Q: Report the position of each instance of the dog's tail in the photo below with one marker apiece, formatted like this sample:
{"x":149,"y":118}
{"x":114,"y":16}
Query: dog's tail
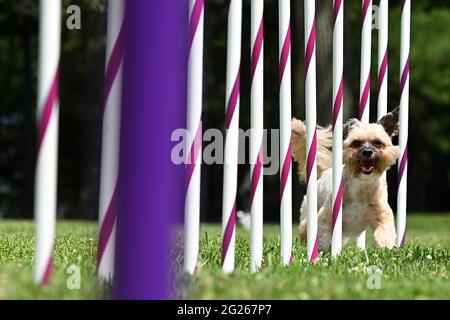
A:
{"x":324,"y":148}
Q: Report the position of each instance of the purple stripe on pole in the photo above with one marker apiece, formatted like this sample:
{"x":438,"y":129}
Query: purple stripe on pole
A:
{"x":382,"y":71}
{"x":195,"y":18}
{"x":48,"y":109}
{"x":256,"y":174}
{"x":337,"y":205}
{"x":336,"y":8}
{"x":402,"y":3}
{"x":228,"y":232}
{"x":403,"y":163}
{"x":107,"y":226}
{"x":114,"y":64}
{"x":193,"y":154}
{"x":311,"y":156}
{"x":285,"y":52}
{"x":364,"y":97}
{"x":310,"y":46}
{"x":48,"y":270}
{"x":286,"y":170}
{"x":338,"y":101}
{"x":256,"y":52}
{"x":315,"y":252}
{"x":232,"y":102}
{"x":366,"y":5}
{"x":404,"y":78}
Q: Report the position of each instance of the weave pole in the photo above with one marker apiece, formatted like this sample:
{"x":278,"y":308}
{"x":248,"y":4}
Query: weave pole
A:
{"x":311,"y":129}
{"x":47,"y":144}
{"x":403,"y":117}
{"x":232,"y":135}
{"x":257,"y":125}
{"x":194,"y":127}
{"x":110,"y":141}
{"x":284,"y":31}
{"x":337,"y":112}
{"x":382,"y":58}
{"x":364,"y":82}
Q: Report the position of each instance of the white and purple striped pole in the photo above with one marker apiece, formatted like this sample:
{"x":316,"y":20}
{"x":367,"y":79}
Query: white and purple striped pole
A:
{"x":194,"y":126}
{"x":257,"y":125}
{"x":382,"y":58}
{"x":110,"y":140}
{"x":47,"y":143}
{"x":232,"y":135}
{"x":403,"y":117}
{"x":284,"y":31}
{"x":364,"y":82}
{"x":311,"y":129}
{"x":338,"y":93}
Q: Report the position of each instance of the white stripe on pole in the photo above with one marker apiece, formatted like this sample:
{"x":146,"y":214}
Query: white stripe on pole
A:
{"x":257,"y":125}
{"x":337,"y":111}
{"x":110,"y":142}
{"x":403,"y":126}
{"x":48,"y":116}
{"x":366,"y":38}
{"x":382,"y":58}
{"x":194,"y":114}
{"x":284,"y":31}
{"x":232,"y":135}
{"x":311,"y":128}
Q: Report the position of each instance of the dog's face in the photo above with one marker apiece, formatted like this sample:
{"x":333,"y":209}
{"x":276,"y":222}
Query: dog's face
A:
{"x":368,"y":149}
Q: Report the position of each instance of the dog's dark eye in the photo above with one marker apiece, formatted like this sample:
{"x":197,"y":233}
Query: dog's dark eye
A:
{"x":378,"y":144}
{"x":356,"y":144}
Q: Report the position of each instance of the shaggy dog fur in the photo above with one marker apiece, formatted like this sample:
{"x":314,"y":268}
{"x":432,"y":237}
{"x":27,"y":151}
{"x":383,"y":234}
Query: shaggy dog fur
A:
{"x":368,"y":153}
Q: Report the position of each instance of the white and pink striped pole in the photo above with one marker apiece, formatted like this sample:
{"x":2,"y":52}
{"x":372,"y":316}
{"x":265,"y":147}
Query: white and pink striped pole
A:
{"x":284,"y":31}
{"x":311,"y":129}
{"x":47,"y":143}
{"x":364,"y":82}
{"x":338,"y":93}
{"x":257,"y":125}
{"x":382,"y":58}
{"x":403,"y":117}
{"x":194,"y":126}
{"x":110,"y":140}
{"x":232,"y":135}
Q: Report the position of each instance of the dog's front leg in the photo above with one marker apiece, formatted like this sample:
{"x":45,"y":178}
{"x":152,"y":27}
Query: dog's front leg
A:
{"x":384,"y":229}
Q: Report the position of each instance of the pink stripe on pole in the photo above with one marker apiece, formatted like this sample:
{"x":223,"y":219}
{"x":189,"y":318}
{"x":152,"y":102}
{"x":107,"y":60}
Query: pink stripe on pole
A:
{"x":286,"y":170}
{"x":233,"y":100}
{"x":195,"y":19}
{"x":107,"y":226}
{"x":337,"y":206}
{"x":338,"y":101}
{"x":364,"y":97}
{"x":404,"y":78}
{"x":257,"y":47}
{"x":114,"y":63}
{"x":404,"y":238}
{"x":366,"y":5}
{"x":228,"y":232}
{"x":256,"y":174}
{"x":311,"y":156}
{"x":402,"y":166}
{"x":193,"y":154}
{"x":310,"y":45}
{"x":48,"y":270}
{"x":315,"y":252}
{"x":48,"y":109}
{"x":382,"y":71}
{"x":285,"y":52}
{"x":336,"y":8}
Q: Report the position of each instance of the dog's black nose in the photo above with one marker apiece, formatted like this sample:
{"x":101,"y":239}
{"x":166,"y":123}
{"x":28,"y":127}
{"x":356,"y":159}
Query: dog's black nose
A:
{"x":367,"y":153}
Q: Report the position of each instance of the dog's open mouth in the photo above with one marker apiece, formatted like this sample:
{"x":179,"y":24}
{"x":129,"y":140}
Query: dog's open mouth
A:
{"x":367,"y":166}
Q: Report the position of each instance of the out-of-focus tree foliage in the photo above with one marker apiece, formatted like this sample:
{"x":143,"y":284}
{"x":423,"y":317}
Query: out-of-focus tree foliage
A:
{"x":82,"y":70}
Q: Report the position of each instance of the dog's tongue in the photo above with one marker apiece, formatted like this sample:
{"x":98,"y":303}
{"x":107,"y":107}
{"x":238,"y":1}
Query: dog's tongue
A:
{"x":367,"y":166}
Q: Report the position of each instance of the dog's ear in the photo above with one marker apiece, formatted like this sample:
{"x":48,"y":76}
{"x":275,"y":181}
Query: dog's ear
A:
{"x":390,"y":122}
{"x":348,"y":126}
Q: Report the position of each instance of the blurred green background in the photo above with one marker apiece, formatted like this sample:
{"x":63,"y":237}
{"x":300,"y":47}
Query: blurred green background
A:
{"x":81,"y":96}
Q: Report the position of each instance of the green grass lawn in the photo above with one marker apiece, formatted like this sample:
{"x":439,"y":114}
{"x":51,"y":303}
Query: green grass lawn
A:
{"x":419,"y":270}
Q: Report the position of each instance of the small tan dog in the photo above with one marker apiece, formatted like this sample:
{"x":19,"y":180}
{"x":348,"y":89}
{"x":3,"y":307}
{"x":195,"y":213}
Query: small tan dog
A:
{"x":368,"y":153}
